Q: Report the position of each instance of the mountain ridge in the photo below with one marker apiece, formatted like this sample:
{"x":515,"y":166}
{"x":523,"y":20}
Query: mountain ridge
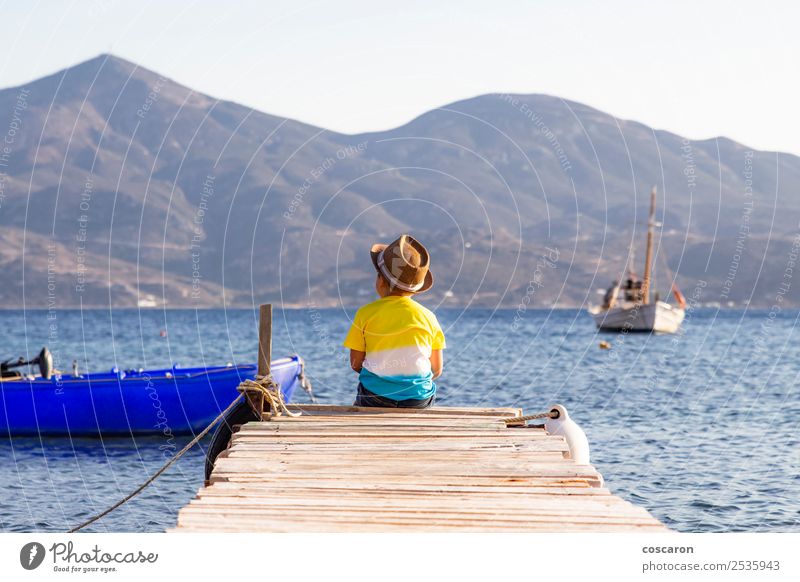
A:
{"x":116,"y":59}
{"x":217,"y":198}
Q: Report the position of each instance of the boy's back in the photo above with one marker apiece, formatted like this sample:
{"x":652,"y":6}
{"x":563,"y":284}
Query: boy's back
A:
{"x":398,"y":335}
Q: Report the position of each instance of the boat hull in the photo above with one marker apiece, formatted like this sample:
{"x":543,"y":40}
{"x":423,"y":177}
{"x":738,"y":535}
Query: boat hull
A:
{"x":169,"y":401}
{"x":658,"y":317}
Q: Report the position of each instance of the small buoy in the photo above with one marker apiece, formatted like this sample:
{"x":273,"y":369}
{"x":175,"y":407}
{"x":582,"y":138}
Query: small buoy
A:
{"x":163,"y":333}
{"x":576,"y":439}
{"x":604,"y":345}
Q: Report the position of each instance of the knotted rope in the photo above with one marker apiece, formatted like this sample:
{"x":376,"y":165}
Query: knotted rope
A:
{"x":523,"y":419}
{"x":271,"y":392}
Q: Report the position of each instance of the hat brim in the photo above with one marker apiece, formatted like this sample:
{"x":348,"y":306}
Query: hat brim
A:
{"x":377,"y":249}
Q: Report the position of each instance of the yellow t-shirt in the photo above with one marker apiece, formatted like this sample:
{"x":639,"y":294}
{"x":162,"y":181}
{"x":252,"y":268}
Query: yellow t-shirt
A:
{"x":398,"y":335}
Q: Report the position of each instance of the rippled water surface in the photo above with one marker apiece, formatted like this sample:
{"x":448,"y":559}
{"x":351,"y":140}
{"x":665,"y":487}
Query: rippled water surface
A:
{"x":700,"y":428}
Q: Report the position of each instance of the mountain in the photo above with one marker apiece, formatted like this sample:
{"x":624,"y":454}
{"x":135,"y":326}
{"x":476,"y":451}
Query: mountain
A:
{"x":119,"y":186}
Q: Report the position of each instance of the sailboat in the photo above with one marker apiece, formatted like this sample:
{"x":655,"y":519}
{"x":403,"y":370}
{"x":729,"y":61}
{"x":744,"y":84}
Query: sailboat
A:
{"x":630,"y":307}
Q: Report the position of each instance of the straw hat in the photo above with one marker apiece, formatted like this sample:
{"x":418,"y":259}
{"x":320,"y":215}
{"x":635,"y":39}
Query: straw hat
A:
{"x":405,"y":263}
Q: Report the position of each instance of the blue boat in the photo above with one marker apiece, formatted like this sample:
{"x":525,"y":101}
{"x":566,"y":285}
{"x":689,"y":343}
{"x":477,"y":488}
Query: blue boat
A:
{"x":131,"y":402}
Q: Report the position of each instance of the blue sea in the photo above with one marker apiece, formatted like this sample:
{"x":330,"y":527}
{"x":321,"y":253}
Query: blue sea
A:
{"x":701,"y":428}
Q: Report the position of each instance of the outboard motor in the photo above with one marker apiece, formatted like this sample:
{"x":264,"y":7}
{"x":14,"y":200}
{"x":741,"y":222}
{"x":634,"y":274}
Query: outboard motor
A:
{"x":44,"y":361}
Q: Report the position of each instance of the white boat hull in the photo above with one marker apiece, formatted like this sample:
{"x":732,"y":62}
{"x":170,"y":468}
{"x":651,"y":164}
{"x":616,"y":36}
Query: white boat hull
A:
{"x":659,"y":317}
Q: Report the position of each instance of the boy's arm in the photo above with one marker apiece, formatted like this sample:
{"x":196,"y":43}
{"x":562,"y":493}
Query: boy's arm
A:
{"x":437,"y":363}
{"x":357,"y":360}
{"x":356,"y":342}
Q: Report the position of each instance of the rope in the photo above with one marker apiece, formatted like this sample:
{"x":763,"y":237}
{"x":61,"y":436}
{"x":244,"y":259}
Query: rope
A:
{"x":264,"y":385}
{"x":305,"y":384}
{"x":158,"y":473}
{"x":526,"y":418}
{"x":271,"y":392}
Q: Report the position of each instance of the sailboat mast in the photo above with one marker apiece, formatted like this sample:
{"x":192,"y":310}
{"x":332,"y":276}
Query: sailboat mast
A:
{"x":632,"y":262}
{"x":648,"y":264}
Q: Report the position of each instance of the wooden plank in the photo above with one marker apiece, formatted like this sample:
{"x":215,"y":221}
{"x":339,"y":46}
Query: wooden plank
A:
{"x":423,"y":515}
{"x":355,"y":437}
{"x":334,"y":488}
{"x":354,"y":411}
{"x":474,"y":503}
{"x":523,"y":483}
{"x":558,"y":496}
{"x":244,"y":520}
{"x":432,"y":451}
{"x":531,"y":467}
{"x":191,"y":523}
{"x":415,"y":447}
{"x":385,"y":419}
{"x":313,"y":428}
{"x":444,"y":423}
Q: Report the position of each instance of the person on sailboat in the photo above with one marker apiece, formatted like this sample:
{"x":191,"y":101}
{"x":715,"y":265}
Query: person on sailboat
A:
{"x":629,"y":289}
{"x":608,"y":298}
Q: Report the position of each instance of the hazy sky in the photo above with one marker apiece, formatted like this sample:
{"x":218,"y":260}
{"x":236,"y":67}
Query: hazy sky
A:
{"x":700,"y":69}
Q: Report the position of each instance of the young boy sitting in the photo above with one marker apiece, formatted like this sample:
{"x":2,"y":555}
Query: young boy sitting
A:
{"x":396,"y":343}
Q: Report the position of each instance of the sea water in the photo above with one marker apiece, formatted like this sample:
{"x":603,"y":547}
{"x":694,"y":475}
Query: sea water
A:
{"x":700,"y":428}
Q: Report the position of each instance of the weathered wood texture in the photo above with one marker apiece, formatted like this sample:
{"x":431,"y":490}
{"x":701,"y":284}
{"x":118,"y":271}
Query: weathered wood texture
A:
{"x":348,"y":469}
{"x":264,"y":338}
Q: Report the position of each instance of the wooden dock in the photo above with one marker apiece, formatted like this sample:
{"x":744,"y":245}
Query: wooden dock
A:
{"x":348,"y":469}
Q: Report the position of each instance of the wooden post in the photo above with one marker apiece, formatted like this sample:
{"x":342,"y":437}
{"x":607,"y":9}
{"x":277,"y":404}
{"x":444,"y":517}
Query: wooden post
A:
{"x":256,"y":399}
{"x":264,"y":339}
